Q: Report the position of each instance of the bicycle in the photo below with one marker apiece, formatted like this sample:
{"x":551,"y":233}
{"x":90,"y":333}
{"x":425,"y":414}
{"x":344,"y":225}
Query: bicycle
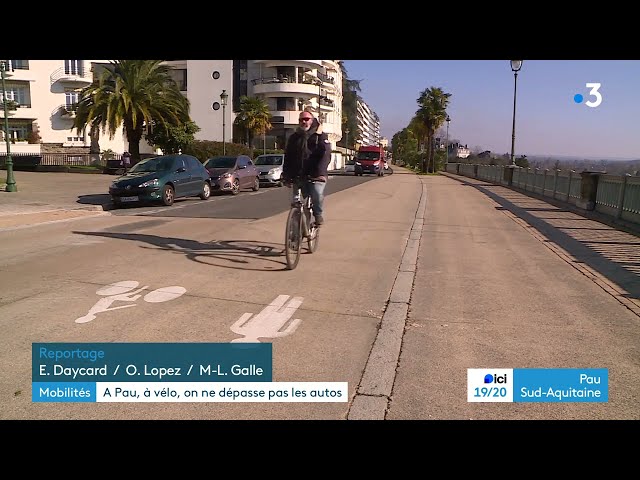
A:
{"x":299,"y":227}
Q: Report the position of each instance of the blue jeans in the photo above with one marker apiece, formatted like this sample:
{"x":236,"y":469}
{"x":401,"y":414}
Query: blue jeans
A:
{"x":315,"y":189}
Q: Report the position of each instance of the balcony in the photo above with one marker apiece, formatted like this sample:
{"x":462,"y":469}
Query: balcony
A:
{"x":72,"y":77}
{"x":282,"y":87}
{"x":326,"y":78}
{"x":66,"y":111}
{"x":291,"y":63}
{"x":12,"y":108}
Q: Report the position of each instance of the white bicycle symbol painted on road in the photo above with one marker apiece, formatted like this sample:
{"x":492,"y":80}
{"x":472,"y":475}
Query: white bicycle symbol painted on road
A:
{"x":121,"y":292}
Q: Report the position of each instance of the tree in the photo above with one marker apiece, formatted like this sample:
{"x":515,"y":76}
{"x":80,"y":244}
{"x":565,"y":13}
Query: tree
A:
{"x":133,"y":94}
{"x":419,"y":131}
{"x":405,"y":147}
{"x":172,"y":138}
{"x":253,"y":118}
{"x":432,"y":112}
{"x":350,"y":89}
{"x":522,"y":161}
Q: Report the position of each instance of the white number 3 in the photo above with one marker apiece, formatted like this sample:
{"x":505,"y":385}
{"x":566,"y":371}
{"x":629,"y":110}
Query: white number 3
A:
{"x":594,"y":91}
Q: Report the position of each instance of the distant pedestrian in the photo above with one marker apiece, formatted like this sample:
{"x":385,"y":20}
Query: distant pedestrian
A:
{"x":126,"y":161}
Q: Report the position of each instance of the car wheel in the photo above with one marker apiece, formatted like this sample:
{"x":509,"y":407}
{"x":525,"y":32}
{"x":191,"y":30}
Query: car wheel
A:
{"x":235,"y":188}
{"x":256,"y":184}
{"x":168,"y":195}
{"x":206,"y":191}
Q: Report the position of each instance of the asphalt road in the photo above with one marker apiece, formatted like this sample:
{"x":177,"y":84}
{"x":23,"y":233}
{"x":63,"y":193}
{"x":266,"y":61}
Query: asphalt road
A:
{"x":416,"y":280}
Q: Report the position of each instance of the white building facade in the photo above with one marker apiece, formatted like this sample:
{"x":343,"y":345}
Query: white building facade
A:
{"x":46,"y":92}
{"x":368,"y":125}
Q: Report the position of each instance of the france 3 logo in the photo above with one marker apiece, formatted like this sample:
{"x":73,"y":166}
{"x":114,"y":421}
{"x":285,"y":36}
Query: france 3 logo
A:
{"x":489,"y":385}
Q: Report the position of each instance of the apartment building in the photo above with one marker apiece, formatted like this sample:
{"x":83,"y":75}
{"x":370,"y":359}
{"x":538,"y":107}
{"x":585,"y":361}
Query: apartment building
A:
{"x":45,"y":93}
{"x":368,"y":125}
{"x":290,"y":86}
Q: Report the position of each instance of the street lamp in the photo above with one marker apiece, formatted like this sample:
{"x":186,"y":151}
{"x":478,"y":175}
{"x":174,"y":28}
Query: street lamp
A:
{"x":346,"y":143}
{"x":516,"y":65}
{"x":11,"y":182}
{"x":448,"y":119}
{"x":223,"y":101}
{"x":319,"y":83}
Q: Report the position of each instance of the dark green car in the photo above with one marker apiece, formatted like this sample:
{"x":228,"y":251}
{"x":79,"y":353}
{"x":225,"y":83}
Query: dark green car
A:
{"x":162,"y":179}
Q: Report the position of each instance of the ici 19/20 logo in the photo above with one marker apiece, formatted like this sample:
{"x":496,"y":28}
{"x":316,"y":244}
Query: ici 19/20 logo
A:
{"x":578,"y":97}
{"x":488,"y":378}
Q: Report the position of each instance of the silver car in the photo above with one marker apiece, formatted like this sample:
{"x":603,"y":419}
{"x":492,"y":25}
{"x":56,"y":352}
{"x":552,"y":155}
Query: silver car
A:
{"x":270,"y":167}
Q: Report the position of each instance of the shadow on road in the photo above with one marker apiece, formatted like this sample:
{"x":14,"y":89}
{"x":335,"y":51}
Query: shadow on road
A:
{"x":612,"y":253}
{"x":95,"y":199}
{"x":236,"y":254}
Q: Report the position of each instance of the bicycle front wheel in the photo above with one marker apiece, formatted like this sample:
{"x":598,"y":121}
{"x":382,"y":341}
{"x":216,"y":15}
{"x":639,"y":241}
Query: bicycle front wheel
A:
{"x":313,"y":239}
{"x":293,"y":238}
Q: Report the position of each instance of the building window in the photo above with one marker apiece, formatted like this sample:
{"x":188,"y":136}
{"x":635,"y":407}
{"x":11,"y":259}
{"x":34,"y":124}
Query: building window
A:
{"x":180,"y":77}
{"x":284,"y":104}
{"x":71,"y":99}
{"x":18,"y":132}
{"x":73,"y":67}
{"x":19,"y":64}
{"x":19,"y":94}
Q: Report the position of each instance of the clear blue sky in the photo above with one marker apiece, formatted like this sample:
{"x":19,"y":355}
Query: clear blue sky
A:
{"x":548,"y":120}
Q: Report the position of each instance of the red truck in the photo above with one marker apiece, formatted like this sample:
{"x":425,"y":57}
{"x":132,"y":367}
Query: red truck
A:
{"x":370,"y":159}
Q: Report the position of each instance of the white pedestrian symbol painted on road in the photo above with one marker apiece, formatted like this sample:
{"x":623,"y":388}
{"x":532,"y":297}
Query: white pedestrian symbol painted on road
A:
{"x":269,"y":322}
{"x":121,"y":292}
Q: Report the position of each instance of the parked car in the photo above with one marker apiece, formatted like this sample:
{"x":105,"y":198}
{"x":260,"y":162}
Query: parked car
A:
{"x":232,"y":173}
{"x":270,"y":166}
{"x":162,"y":179}
{"x":350,"y":166}
{"x":115,"y":164}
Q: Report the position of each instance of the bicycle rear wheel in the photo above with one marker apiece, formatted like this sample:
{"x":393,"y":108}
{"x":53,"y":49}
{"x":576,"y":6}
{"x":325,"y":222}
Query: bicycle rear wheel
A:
{"x":293,"y":238}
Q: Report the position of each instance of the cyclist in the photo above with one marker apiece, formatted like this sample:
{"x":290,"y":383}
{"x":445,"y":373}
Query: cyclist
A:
{"x":306,"y":159}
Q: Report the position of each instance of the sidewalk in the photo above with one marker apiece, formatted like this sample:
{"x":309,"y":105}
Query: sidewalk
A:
{"x":43,"y":197}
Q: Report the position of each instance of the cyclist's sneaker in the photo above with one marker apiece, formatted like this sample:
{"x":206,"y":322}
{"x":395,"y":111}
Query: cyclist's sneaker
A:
{"x":319,"y":220}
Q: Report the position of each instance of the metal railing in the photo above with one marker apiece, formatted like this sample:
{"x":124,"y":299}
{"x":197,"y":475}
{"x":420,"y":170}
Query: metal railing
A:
{"x":615,"y":195}
{"x":79,"y":74}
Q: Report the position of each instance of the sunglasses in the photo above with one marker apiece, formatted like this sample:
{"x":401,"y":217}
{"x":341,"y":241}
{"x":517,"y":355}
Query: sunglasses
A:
{"x":305,"y":119}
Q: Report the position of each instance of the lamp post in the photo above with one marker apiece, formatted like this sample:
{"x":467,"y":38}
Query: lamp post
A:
{"x":11,"y":182}
{"x":346,"y":143}
{"x":223,"y":101}
{"x":516,"y":65}
{"x":448,"y":119}
{"x":319,"y":96}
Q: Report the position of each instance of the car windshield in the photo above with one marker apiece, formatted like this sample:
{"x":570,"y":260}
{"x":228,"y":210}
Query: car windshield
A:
{"x":368,"y":155}
{"x":155,"y":164}
{"x":269,"y":160}
{"x":220,"y":162}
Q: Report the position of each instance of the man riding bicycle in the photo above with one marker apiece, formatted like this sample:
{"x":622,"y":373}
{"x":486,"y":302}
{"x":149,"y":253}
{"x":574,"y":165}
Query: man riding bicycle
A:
{"x":306,"y":159}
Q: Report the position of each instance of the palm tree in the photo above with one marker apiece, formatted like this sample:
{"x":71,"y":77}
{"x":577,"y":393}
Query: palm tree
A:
{"x":133,"y":94}
{"x":419,"y":130}
{"x":432,"y":113}
{"x":253,"y":118}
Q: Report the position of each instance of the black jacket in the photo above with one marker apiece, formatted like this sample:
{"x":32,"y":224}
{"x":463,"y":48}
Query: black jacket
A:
{"x":319,"y":158}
